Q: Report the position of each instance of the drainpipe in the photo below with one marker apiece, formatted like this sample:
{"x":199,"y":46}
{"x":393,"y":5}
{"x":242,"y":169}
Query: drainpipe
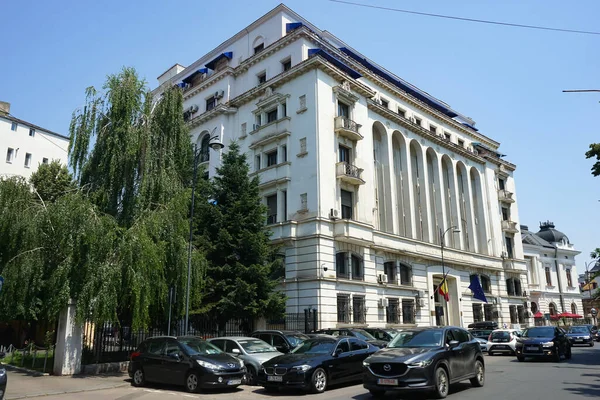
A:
{"x":560,"y":291}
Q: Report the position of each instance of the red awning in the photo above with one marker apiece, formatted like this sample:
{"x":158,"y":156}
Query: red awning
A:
{"x":569,"y":315}
{"x":538,"y":315}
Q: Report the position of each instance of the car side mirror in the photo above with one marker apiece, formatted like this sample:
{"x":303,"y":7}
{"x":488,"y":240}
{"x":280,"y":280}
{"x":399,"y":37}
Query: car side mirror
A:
{"x":235,"y":351}
{"x":283,"y":348}
{"x":453,"y":344}
{"x":175,"y":356}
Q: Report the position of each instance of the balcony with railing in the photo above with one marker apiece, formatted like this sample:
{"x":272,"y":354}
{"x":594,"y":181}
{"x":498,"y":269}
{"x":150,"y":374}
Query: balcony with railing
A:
{"x":347,"y":128}
{"x":349,"y":173}
{"x":505,"y":196}
{"x":509,"y":226}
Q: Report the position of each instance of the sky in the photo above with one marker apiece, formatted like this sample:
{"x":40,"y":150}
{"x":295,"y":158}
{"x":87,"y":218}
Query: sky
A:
{"x":509,"y":80}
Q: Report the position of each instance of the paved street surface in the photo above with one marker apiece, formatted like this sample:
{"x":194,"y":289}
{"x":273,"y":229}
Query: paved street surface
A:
{"x":507,"y":379}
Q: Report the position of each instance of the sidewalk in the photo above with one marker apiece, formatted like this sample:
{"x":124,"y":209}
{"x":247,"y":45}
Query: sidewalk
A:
{"x":22,"y":385}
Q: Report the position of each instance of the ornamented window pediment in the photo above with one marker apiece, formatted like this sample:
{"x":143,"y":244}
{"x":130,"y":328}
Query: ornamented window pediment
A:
{"x":344,"y":93}
{"x":270,"y":99}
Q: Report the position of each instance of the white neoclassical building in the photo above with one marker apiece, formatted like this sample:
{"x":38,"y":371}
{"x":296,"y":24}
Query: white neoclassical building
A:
{"x":553,"y":286}
{"x":360,"y":171}
{"x":25,"y":145}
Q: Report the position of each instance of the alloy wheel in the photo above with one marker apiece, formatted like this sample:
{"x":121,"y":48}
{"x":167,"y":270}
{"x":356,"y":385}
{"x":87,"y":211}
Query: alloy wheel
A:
{"x":138,"y":377}
{"x":319,"y":380}
{"x":192,"y":382}
{"x":442,"y":382}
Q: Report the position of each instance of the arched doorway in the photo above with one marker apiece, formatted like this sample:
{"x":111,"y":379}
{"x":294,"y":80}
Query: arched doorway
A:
{"x":552,"y":309}
{"x":445,"y":311}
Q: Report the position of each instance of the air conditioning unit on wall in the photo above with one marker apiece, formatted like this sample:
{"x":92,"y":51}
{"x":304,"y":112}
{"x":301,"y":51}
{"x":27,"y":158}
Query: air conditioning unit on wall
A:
{"x":382,"y":278}
{"x":383,"y":302}
{"x":334,"y":214}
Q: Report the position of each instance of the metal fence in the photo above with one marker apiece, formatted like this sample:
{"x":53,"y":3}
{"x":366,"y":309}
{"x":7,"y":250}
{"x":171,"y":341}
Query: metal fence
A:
{"x":32,"y":357}
{"x":110,"y":342}
{"x":306,"y":322}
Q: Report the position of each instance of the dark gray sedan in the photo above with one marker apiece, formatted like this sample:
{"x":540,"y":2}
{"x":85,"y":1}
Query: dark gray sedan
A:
{"x":580,"y":335}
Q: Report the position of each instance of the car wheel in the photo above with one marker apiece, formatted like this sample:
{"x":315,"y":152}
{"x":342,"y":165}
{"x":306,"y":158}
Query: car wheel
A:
{"x":592,"y":343}
{"x":520,"y":358}
{"x":192,"y":382}
{"x":377,"y":393}
{"x":318,"y":383}
{"x":442,"y":384}
{"x":139,"y":378}
{"x":250,"y":376}
{"x":479,"y":379}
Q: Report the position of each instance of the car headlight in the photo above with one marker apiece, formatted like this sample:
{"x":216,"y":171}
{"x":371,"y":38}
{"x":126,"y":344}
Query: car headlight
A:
{"x":586,"y":337}
{"x":209,"y":365}
{"x":366,"y":363}
{"x":420,"y":364}
{"x":2,"y":372}
{"x":548,"y":344}
{"x":302,"y":368}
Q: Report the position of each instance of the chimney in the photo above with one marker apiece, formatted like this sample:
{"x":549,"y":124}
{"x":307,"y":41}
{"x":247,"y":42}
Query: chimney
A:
{"x":4,"y":108}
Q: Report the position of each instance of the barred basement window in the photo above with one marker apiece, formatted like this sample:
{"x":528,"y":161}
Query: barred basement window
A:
{"x":408,"y":311}
{"x":477,"y":312}
{"x":393,"y":311}
{"x":343,"y":308}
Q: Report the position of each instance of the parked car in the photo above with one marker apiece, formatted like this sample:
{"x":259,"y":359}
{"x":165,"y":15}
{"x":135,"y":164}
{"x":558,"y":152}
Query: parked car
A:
{"x":485,"y":325}
{"x":3,"y":379}
{"x":425,"y":359}
{"x":580,"y":335}
{"x":502,"y":341}
{"x":316,"y":364}
{"x":594,"y":330}
{"x":543,"y":341}
{"x":253,"y":351}
{"x":283,"y":341}
{"x":188,"y":361}
{"x":357,"y":333}
{"x":483,"y":343}
{"x":385,"y":334}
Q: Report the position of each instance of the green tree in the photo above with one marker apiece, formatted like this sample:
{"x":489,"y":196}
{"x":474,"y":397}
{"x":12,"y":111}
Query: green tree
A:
{"x":231,"y":230}
{"x":594,"y":151}
{"x":52,"y":181}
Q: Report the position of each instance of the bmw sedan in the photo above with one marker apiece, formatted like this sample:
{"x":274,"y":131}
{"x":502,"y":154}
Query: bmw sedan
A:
{"x":317,"y":363}
{"x":425,"y":359}
{"x":543,"y":342}
{"x":187,"y":361}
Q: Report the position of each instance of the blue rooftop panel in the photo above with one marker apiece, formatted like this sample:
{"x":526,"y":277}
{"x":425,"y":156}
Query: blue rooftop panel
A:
{"x":292,"y":25}
{"x":213,"y":63}
{"x":338,"y":63}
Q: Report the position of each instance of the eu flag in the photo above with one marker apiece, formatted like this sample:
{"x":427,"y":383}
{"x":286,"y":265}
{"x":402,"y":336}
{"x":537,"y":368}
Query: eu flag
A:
{"x":476,"y":288}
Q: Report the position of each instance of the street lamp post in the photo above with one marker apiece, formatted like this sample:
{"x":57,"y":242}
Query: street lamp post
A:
{"x":442,"y":245}
{"x":215,"y":143}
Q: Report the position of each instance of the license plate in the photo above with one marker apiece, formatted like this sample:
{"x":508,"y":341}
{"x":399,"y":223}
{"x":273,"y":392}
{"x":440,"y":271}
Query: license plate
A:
{"x":234,"y":382}
{"x":579,"y":340}
{"x":387,"y":382}
{"x":531,"y":348}
{"x":273,"y":378}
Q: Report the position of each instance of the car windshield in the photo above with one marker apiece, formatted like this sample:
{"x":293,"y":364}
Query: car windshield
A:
{"x":315,"y":347}
{"x":197,"y":346}
{"x":539,"y":332}
{"x":256,"y":346}
{"x":296,"y":339}
{"x":391,"y":332}
{"x":424,"y":338}
{"x":363,"y":335}
{"x":579,"y":329}
{"x":500,"y":335}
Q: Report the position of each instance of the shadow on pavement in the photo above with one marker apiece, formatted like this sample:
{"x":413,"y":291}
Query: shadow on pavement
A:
{"x":299,"y":392}
{"x":181,"y":388}
{"x":454,"y":389}
{"x":586,"y":389}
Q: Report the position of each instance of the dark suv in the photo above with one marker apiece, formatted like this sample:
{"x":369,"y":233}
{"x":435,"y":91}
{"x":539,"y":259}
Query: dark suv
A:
{"x":188,"y":361}
{"x":357,"y":333}
{"x":283,"y":341}
{"x":425,"y":359}
{"x":543,"y":342}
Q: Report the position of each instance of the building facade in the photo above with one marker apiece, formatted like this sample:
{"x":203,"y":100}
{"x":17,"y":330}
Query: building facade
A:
{"x":26,"y":145}
{"x":362,"y":174}
{"x":553,"y":286}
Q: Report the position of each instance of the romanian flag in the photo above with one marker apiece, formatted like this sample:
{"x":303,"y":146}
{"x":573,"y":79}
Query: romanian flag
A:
{"x":443,"y":289}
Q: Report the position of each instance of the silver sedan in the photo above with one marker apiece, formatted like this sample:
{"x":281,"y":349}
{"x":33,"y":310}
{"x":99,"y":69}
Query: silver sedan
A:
{"x":251,"y":350}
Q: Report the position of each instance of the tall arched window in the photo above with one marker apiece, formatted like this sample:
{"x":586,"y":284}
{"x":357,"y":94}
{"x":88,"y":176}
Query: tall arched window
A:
{"x":205,"y":149}
{"x":552,"y":308}
{"x":534,"y":307}
{"x":573,"y":308}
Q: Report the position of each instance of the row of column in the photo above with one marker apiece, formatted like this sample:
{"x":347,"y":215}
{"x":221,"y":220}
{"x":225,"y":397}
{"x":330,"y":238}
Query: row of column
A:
{"x":418,"y":192}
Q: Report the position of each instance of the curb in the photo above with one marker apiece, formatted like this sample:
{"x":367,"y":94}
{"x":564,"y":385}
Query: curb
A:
{"x":29,"y":396}
{"x":11,"y":367}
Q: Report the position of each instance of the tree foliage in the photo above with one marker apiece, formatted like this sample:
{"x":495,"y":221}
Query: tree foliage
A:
{"x":117,"y":239}
{"x":594,"y":151}
{"x":52,"y":181}
{"x":232,"y":232}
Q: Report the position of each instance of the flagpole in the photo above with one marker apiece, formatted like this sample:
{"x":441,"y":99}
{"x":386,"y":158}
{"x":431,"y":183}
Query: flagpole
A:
{"x":442,"y":245}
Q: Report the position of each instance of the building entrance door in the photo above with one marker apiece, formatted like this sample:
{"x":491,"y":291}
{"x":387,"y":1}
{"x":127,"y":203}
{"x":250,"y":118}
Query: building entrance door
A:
{"x":441,"y":319}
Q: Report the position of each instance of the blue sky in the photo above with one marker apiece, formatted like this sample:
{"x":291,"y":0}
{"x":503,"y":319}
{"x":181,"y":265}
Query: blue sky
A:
{"x":509,"y":80}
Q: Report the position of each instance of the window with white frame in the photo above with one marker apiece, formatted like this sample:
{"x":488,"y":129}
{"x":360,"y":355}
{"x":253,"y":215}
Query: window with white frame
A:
{"x":284,"y":153}
{"x":406,"y":275}
{"x":347,"y":204}
{"x":14,"y":126}
{"x":272,"y":209}
{"x":10,"y":155}
{"x":44,"y":160}
{"x":258,"y":48}
{"x":31,"y":132}
{"x":27,"y":160}
{"x":272,"y":115}
{"x":271,"y":158}
{"x":262,"y":77}
{"x":286,"y":64}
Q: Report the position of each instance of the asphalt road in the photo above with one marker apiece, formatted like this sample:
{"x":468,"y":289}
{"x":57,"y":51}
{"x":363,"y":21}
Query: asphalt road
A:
{"x":506,"y":379}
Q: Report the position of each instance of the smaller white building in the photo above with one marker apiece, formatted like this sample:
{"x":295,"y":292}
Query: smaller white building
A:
{"x":551,"y":272}
{"x":25,"y":145}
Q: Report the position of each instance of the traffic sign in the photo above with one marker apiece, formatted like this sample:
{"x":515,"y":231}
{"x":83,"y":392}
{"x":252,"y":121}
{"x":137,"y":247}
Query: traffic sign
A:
{"x":593,"y":311}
